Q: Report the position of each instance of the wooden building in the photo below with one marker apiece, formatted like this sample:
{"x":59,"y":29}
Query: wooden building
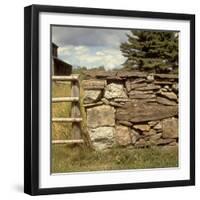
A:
{"x":54,"y":50}
{"x":59,"y":67}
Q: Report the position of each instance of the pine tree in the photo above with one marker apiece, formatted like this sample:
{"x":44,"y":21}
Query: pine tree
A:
{"x":151,"y":50}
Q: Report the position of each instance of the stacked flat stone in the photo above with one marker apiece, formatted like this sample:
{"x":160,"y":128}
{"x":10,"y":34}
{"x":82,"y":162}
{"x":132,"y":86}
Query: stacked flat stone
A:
{"x":131,"y":109}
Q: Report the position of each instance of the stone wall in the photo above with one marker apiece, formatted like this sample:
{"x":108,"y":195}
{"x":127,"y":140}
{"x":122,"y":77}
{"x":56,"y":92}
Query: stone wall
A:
{"x":131,"y":109}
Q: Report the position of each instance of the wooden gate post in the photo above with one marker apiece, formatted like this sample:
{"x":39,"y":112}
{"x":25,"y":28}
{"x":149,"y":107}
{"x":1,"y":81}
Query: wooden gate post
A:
{"x":75,"y":110}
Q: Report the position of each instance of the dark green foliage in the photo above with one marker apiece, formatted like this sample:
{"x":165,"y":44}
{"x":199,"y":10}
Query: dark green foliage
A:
{"x":151,"y":50}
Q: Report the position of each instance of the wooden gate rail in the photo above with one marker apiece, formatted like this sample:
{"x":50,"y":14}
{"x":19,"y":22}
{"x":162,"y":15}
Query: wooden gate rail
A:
{"x":68,"y":141}
{"x":74,"y":77}
{"x":69,"y":119}
{"x":65,"y":99}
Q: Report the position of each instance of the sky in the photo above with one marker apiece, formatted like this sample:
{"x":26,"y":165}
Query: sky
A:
{"x":90,"y":47}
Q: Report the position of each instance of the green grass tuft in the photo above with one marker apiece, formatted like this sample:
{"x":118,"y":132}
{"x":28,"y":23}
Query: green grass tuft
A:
{"x":80,"y":159}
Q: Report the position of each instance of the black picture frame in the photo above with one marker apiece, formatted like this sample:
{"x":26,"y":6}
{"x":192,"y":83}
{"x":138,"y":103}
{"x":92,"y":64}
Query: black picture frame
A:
{"x":31,"y":98}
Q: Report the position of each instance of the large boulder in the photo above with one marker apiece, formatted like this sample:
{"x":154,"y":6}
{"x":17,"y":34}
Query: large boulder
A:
{"x":102,"y":137}
{"x":141,"y":112}
{"x":123,"y":136}
{"x":114,"y":90}
{"x":170,"y":128}
{"x":103,"y":115}
{"x":91,"y":96}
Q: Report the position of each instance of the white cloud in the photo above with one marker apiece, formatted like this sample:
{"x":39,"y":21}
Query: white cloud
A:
{"x":91,"y":57}
{"x":90,"y":47}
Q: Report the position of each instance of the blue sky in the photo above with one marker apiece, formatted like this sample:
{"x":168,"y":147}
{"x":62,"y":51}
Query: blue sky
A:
{"x":89,"y":47}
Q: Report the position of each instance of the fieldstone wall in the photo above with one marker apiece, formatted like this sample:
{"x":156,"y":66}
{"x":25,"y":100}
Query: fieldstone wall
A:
{"x":131,"y":109}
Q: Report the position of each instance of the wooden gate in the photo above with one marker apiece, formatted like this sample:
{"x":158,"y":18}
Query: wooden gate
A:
{"x":75,"y":118}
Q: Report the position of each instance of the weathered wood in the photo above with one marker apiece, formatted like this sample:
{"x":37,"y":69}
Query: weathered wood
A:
{"x":73,"y":77}
{"x":75,"y":110}
{"x":62,"y":119}
{"x":61,"y":68}
{"x":53,"y":66}
{"x":67,"y":141}
{"x":65,"y":99}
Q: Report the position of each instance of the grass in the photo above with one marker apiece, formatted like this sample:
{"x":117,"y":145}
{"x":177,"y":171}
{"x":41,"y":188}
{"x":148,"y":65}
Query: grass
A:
{"x":81,"y":159}
{"x":61,"y":130}
{"x":67,"y":158}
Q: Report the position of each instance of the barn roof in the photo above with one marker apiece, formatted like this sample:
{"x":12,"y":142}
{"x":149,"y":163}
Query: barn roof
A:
{"x":54,"y":45}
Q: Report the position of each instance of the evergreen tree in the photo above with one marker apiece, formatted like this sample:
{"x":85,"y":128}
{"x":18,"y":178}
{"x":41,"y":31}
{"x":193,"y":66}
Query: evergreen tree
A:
{"x":151,"y":50}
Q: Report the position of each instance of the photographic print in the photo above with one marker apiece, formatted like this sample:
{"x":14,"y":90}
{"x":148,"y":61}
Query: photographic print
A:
{"x":114,"y":99}
{"x":109,"y":99}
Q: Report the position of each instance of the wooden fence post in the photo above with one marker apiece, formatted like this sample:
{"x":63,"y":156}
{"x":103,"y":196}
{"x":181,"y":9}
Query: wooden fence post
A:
{"x":75,"y":110}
